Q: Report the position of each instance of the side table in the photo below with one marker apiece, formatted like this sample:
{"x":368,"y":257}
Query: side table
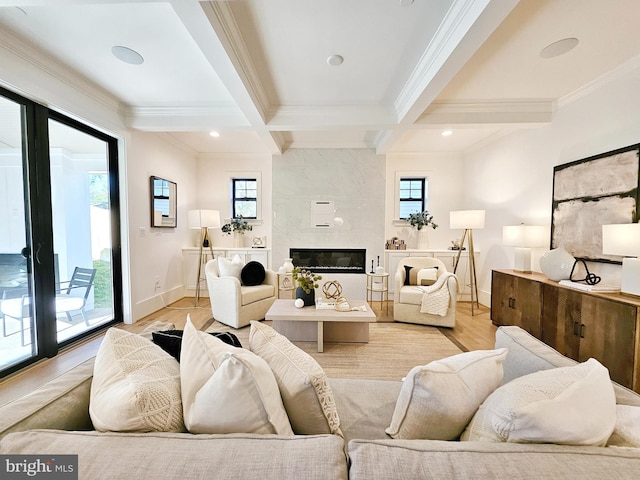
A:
{"x":378,"y":283}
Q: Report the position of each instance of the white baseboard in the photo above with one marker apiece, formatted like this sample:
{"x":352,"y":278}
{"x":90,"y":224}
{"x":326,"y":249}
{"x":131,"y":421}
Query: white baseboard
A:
{"x":155,"y":303}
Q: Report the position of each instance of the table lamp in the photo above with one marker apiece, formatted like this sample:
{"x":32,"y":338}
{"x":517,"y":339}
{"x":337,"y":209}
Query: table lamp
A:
{"x":204,"y":220}
{"x":524,"y":238}
{"x":468,"y":220}
{"x":624,"y":240}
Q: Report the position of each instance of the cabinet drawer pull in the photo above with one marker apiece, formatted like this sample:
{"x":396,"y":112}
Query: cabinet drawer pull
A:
{"x":582,"y":330}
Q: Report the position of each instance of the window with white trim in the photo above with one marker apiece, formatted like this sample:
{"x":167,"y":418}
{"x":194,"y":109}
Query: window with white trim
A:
{"x":412,"y":196}
{"x":244,"y":194}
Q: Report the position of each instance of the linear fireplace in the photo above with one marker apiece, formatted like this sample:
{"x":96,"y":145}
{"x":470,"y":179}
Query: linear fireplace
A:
{"x":330,"y":260}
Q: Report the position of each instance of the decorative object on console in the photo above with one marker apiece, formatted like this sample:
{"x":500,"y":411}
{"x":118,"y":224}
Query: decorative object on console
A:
{"x":332,"y":289}
{"x":589,"y":279}
{"x":259,"y":242}
{"x":395,"y":244}
{"x":287,"y":266}
{"x":421,"y":220}
{"x":556,"y":264}
{"x":468,"y":220}
{"x":524,"y":238}
{"x":204,"y":220}
{"x":307,"y":283}
{"x":624,"y":240}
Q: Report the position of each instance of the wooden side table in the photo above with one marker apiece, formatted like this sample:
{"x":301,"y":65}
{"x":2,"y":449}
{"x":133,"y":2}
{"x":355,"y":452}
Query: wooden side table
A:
{"x":378,"y":283}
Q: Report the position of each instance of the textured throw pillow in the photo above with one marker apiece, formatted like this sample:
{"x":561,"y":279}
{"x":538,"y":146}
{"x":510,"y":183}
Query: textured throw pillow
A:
{"x":227,"y":389}
{"x":135,"y":387}
{"x":304,"y":386}
{"x":171,"y":340}
{"x":437,"y":400}
{"x":252,"y":274}
{"x":627,"y":430}
{"x":568,"y":405}
{"x":230,"y":268}
{"x":411,"y":274}
{"x":427,"y":276}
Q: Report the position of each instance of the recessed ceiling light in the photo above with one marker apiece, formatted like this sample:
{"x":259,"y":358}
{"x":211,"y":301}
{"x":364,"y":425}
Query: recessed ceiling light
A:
{"x":335,"y":60}
{"x":127,"y":55}
{"x":446,"y":133}
{"x":213,"y":133}
{"x":558,"y":48}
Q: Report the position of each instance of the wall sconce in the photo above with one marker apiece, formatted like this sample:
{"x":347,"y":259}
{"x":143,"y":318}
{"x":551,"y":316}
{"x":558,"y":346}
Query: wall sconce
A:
{"x":624,"y":240}
{"x":468,"y":220}
{"x":204,"y":220}
{"x":524,"y":238}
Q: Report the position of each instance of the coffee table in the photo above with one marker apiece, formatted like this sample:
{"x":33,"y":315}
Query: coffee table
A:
{"x":309,"y":324}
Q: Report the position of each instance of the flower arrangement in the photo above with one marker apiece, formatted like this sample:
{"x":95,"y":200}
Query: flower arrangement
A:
{"x":422,"y":219}
{"x":236,"y":224}
{"x":305,"y":279}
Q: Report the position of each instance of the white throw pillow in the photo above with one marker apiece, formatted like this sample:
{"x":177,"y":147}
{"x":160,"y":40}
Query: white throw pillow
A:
{"x":627,"y":430}
{"x":227,"y":389}
{"x":304,"y":386}
{"x":230,"y":268}
{"x":568,"y":405}
{"x":135,"y":387}
{"x":427,"y":276}
{"x":437,"y":400}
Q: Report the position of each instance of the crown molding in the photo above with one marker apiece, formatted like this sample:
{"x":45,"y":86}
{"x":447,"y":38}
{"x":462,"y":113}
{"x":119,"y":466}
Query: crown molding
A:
{"x":621,"y":71}
{"x":184,"y":118}
{"x":470,"y":112}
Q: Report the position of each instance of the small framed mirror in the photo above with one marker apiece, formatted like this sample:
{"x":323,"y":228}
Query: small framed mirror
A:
{"x":163,"y":203}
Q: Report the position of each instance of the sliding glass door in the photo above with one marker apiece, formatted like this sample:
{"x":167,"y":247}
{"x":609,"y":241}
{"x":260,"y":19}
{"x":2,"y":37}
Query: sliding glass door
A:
{"x":59,"y":248}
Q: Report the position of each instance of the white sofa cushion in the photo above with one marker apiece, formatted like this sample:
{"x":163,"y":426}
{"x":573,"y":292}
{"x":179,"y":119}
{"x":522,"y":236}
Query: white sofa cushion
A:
{"x":226,"y":389}
{"x":437,"y":400}
{"x":627,"y":430}
{"x":304,"y":386}
{"x":568,"y":405}
{"x":135,"y":387}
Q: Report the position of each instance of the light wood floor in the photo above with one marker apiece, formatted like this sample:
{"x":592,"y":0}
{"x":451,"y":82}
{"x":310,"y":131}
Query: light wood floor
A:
{"x":470,"y":333}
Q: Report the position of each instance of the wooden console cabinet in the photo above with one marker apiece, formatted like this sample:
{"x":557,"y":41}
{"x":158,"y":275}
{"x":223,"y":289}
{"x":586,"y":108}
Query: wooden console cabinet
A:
{"x":580,"y":325}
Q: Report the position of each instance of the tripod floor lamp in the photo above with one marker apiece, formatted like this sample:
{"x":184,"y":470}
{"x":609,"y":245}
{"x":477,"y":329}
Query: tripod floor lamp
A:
{"x":204,"y":220}
{"x":468,"y":220}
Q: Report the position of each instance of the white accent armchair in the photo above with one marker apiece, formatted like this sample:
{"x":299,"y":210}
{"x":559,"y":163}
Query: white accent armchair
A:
{"x":407,"y":299}
{"x":235,"y":304}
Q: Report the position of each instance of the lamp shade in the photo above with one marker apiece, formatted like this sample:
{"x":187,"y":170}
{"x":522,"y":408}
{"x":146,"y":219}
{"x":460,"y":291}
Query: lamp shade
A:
{"x":463,"y":219}
{"x":203,"y":218}
{"x":621,"y":239}
{"x":530,"y":236}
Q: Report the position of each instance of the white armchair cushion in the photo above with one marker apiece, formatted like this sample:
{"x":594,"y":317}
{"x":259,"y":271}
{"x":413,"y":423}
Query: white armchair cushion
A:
{"x":227,"y":389}
{"x":253,"y":294}
{"x":230,"y":268}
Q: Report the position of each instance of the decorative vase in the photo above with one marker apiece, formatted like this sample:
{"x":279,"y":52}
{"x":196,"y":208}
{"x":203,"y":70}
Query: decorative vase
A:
{"x":423,"y":239}
{"x":288,"y":265}
{"x":308,"y":298}
{"x":557,"y":264}
{"x":238,"y":240}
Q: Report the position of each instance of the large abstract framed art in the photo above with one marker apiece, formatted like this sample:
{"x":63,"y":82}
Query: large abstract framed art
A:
{"x":592,"y":192}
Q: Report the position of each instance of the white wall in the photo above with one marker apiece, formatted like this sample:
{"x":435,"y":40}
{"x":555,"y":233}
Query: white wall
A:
{"x":157,"y":252}
{"x":513,"y":178}
{"x":445,"y":194}
{"x":214,"y":173}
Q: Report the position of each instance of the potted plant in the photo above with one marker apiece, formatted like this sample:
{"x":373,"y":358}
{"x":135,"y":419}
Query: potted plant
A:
{"x":421,"y":220}
{"x":306,"y":285}
{"x":237,"y":226}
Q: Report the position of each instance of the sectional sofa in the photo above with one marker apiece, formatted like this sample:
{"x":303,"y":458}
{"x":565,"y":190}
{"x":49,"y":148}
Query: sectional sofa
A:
{"x":55,"y":419}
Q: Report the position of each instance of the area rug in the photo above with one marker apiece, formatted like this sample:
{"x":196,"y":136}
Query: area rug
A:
{"x":393,"y":350}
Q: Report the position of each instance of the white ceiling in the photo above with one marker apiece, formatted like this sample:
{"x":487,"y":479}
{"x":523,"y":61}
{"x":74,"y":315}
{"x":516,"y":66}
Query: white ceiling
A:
{"x":256,"y":70}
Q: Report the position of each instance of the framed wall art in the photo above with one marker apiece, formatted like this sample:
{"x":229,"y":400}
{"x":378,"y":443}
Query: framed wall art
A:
{"x":592,"y":192}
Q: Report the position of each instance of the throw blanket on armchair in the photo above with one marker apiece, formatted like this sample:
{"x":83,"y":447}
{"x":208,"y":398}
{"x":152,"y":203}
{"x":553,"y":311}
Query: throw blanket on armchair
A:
{"x":435,"y":299}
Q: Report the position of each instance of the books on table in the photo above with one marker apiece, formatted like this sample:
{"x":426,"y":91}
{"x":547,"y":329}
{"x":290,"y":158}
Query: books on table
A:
{"x":598,"y":287}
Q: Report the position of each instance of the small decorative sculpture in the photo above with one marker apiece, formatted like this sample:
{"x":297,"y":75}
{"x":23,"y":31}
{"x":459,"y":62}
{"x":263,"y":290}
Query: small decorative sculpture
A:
{"x":332,"y":289}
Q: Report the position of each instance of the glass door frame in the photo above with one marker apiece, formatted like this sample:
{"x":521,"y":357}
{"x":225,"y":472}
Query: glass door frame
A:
{"x":39,"y":227}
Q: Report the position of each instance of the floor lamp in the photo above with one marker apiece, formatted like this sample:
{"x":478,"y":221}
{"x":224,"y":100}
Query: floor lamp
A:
{"x":468,"y":220}
{"x":204,"y":220}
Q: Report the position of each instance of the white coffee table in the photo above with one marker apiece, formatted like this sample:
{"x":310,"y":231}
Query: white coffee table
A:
{"x":309,"y":324}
